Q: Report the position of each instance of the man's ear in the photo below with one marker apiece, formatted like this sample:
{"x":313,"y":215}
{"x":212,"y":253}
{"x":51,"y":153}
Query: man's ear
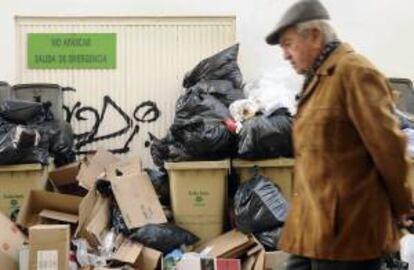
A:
{"x":316,"y":37}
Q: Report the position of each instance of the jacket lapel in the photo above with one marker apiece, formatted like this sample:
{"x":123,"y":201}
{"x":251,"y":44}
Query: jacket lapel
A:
{"x":327,"y":68}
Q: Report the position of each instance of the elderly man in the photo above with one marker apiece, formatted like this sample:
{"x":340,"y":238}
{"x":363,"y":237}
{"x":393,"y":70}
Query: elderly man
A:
{"x":351,"y":166}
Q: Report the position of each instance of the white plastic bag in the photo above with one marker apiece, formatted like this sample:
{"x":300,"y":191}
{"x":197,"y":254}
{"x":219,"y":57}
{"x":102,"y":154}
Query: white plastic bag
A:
{"x":273,"y":90}
{"x":407,"y":250}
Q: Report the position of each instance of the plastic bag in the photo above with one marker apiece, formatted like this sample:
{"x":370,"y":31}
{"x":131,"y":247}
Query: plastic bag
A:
{"x":167,"y":149}
{"x":222,"y":90}
{"x":269,"y":239}
{"x":21,"y":112}
{"x":196,"y":105}
{"x":221,"y":66}
{"x":19,"y":146}
{"x":205,"y":140}
{"x":259,"y":206}
{"x":407,"y":250}
{"x":244,"y":109}
{"x":160,"y":181}
{"x":393,"y":262}
{"x":163,"y":237}
{"x":266,"y":136}
{"x":59,"y":134}
{"x":273,"y":90}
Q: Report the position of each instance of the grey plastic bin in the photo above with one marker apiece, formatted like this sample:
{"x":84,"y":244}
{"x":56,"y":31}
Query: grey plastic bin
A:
{"x":5,"y":89}
{"x":41,"y":92}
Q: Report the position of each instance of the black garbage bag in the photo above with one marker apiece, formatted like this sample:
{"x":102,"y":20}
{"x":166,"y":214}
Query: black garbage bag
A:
{"x":269,"y":239}
{"x":20,"y":146}
{"x":167,"y":149}
{"x":59,"y":134}
{"x":195,"y":105}
{"x":160,"y":181}
{"x":205,"y":139}
{"x":266,"y":136}
{"x":62,"y":159}
{"x":222,"y":90}
{"x":393,"y":262}
{"x":163,"y":237}
{"x":22,"y":112}
{"x":259,"y":206}
{"x":221,"y":66}
{"x":117,"y":221}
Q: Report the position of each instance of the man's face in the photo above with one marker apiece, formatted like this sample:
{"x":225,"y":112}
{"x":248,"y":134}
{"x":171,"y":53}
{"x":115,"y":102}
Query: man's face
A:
{"x":300,"y":49}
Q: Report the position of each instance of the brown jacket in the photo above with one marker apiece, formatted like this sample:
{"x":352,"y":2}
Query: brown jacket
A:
{"x":351,"y":165}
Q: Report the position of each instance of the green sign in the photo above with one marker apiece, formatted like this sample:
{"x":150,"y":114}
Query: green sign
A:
{"x":71,"y":51}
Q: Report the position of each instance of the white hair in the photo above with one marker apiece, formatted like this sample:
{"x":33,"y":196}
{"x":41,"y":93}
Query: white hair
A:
{"x":326,"y":29}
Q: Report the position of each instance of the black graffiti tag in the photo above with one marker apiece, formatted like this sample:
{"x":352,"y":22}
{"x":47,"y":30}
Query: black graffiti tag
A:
{"x":146,"y":112}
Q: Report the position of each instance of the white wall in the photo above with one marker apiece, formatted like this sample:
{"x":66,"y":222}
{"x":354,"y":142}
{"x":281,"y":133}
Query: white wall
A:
{"x":383,"y":30}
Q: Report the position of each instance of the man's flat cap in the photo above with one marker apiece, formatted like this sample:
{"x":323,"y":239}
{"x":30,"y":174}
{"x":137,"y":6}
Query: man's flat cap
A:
{"x":301,"y":11}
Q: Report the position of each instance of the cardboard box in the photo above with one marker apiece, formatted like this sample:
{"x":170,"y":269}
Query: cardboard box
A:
{"x":16,"y":181}
{"x":128,"y":252}
{"x":38,"y":200}
{"x":94,"y":167}
{"x":276,"y":260}
{"x":279,"y":171}
{"x":11,"y":238}
{"x":149,"y":259}
{"x":50,"y":216}
{"x":198,"y":196}
{"x":63,"y":180}
{"x":7,"y":263}
{"x":227,"y":245}
{"x":137,"y":200}
{"x":49,"y":247}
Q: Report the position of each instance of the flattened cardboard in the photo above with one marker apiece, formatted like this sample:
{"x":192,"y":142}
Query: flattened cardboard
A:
{"x":137,"y":200}
{"x":128,"y":252}
{"x":99,"y":221}
{"x":226,"y":243}
{"x":248,"y":264}
{"x":11,"y":238}
{"x":63,"y":180}
{"x":86,"y":208}
{"x":38,"y":200}
{"x":149,"y":259}
{"x":59,"y":216}
{"x":132,"y":165}
{"x":65,"y":175}
{"x":91,"y":169}
{"x":49,"y":244}
{"x":260,"y":261}
{"x":7,"y":263}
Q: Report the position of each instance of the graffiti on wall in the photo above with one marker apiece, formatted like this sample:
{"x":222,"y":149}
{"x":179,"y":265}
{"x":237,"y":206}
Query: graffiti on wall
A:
{"x":144,"y":113}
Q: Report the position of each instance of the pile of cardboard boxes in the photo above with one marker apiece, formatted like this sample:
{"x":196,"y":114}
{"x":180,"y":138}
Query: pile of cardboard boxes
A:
{"x":73,"y":209}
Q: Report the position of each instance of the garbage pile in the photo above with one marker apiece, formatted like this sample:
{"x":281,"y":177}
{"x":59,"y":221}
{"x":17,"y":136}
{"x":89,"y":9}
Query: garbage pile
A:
{"x":211,"y":121}
{"x":30,"y":134}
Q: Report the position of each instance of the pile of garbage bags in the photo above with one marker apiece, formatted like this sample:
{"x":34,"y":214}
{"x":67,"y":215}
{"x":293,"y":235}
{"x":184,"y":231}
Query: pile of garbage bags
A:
{"x":261,"y":209}
{"x":206,"y":125}
{"x":29,"y":134}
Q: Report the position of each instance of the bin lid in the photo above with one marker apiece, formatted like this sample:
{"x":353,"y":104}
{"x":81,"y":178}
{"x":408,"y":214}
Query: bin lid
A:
{"x":267,"y":163}
{"x":198,"y":165}
{"x":21,"y":167}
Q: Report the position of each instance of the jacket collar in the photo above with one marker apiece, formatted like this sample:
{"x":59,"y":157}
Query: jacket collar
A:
{"x":327,"y":68}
